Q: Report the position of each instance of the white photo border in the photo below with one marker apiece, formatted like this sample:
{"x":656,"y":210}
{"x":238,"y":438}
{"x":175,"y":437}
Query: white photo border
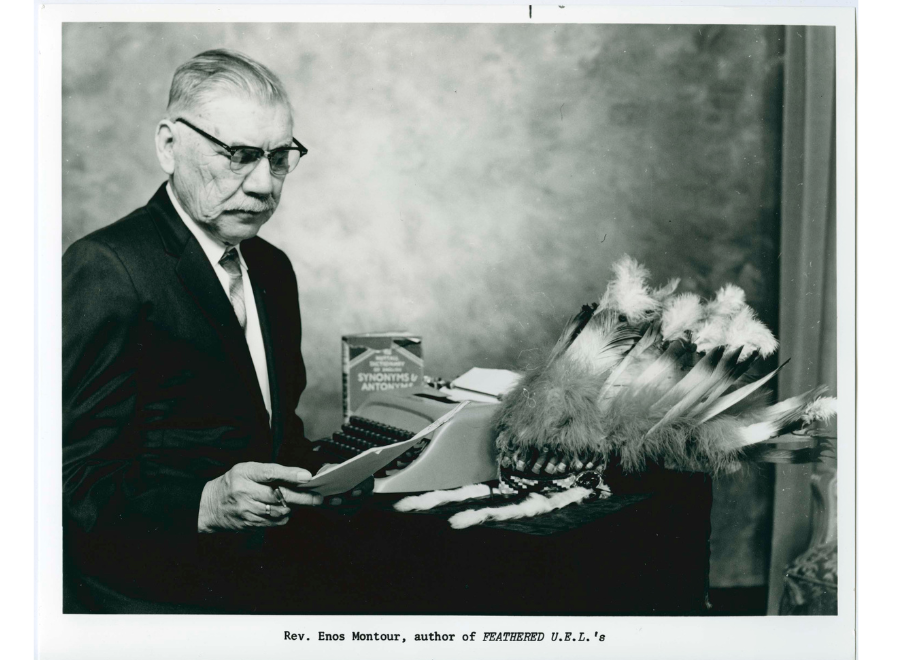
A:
{"x":100,"y":636}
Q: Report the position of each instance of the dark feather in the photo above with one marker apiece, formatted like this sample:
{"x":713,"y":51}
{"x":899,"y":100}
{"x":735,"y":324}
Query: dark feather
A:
{"x":653,"y":377}
{"x":732,"y":371}
{"x":786,"y":415}
{"x":651,"y":335}
{"x":603,"y":342}
{"x":810,"y":449}
{"x":725,"y":402}
{"x":692,"y":386}
{"x":573,"y":328}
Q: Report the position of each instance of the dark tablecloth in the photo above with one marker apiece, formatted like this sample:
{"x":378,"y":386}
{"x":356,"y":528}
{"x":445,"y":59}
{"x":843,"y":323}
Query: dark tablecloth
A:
{"x":645,"y":550}
{"x":637,"y":552}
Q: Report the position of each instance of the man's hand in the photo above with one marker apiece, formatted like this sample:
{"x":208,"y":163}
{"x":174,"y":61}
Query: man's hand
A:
{"x":245,"y":497}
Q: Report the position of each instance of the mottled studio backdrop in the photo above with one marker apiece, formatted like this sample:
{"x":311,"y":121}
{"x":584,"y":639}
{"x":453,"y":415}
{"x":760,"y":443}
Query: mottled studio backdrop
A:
{"x":473,"y":184}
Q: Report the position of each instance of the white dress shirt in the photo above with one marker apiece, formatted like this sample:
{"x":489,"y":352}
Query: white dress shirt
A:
{"x":214,"y":249}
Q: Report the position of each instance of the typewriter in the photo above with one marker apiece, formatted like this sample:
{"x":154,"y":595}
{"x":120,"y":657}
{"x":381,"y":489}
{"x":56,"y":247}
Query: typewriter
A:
{"x":459,"y":453}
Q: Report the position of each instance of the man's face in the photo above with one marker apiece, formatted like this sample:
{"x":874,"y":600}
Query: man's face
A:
{"x":232,"y":207}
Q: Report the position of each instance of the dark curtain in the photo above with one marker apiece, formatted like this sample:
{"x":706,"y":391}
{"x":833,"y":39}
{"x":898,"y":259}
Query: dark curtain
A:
{"x":808,"y":303}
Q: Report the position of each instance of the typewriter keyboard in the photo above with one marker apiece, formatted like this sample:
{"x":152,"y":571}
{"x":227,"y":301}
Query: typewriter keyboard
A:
{"x":361,"y":434}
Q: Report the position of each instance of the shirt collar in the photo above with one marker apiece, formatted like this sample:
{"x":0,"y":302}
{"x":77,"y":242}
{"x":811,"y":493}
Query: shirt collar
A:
{"x":213,"y":248}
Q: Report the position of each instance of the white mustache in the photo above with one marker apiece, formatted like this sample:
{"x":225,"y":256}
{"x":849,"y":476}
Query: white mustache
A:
{"x":258,"y":206}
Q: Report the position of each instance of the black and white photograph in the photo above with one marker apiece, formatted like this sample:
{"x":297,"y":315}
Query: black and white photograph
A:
{"x":408,"y":335}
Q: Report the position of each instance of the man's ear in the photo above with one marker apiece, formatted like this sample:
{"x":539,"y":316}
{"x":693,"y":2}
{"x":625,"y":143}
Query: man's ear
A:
{"x":165,"y":146}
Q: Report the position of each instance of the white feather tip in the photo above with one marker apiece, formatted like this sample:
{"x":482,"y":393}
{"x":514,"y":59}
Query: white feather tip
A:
{"x":729,"y":300}
{"x":747,"y":331}
{"x":820,"y":410}
{"x":663,"y":293}
{"x":682,"y":313}
{"x":628,"y":292}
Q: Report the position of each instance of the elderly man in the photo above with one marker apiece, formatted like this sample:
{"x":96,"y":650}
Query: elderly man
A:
{"x":181,"y":358}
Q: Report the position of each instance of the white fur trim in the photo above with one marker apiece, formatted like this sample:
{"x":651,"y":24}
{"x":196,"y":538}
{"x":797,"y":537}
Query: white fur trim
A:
{"x":534,"y":505}
{"x":435,"y":498}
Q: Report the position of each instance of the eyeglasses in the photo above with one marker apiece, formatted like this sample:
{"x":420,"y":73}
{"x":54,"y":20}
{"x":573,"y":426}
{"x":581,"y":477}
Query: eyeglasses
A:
{"x":243,"y":159}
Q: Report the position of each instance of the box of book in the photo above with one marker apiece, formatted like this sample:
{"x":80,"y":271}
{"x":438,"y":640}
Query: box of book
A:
{"x":379,"y":362}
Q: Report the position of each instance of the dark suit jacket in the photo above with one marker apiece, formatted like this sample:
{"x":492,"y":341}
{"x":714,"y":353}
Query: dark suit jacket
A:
{"x":160,"y":395}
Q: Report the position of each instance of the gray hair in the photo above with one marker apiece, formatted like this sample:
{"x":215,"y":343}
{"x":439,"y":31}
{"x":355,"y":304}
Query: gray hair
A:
{"x":223,"y":71}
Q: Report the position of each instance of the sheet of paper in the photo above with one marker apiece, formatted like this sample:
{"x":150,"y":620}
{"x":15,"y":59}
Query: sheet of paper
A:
{"x":343,"y":477}
{"x":455,"y":394}
{"x":493,"y":382}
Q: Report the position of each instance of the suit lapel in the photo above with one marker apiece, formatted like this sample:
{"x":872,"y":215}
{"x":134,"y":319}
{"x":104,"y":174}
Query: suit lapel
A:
{"x":197,"y":275}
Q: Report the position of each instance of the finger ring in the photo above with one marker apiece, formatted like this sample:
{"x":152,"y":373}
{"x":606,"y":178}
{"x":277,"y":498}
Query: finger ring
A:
{"x":268,"y":509}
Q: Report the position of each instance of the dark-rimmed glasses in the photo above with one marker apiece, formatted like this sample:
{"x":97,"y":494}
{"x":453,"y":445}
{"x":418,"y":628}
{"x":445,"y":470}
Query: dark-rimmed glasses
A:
{"x":243,"y":159}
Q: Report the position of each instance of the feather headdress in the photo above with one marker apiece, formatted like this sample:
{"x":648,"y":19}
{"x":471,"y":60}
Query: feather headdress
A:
{"x":650,"y":376}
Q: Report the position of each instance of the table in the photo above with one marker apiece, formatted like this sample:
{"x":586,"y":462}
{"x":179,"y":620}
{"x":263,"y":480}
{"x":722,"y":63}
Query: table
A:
{"x":643,"y":551}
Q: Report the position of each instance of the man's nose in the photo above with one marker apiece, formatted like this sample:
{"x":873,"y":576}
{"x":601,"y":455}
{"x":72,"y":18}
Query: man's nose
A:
{"x":260,"y":181}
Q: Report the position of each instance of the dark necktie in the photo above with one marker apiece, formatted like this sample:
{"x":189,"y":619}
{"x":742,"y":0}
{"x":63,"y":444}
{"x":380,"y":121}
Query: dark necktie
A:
{"x":230,"y":261}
